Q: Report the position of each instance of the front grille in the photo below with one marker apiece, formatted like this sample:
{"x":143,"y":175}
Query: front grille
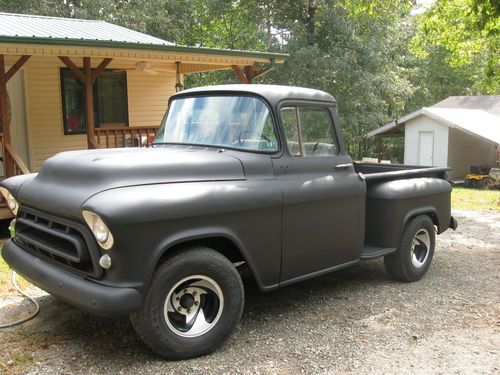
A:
{"x":57,"y":240}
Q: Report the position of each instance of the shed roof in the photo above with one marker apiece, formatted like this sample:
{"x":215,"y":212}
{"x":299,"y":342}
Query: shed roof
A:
{"x":476,"y":115}
{"x":487,"y":103}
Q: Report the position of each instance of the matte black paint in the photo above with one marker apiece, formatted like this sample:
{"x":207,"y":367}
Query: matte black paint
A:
{"x":391,"y":204}
{"x":84,"y":294}
{"x":289,"y":218}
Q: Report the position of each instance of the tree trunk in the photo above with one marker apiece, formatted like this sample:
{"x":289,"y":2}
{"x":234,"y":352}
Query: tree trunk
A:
{"x":309,"y":22}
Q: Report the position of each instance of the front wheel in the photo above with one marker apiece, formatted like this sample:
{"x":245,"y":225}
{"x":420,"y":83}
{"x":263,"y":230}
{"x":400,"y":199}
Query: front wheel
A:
{"x":193,"y":305}
{"x":414,"y":256}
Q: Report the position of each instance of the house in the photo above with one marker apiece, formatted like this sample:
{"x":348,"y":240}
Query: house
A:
{"x":74,"y":83}
{"x":71,"y":84}
{"x":457,"y":132}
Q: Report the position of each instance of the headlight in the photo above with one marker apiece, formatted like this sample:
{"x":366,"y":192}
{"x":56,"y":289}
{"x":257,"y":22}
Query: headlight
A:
{"x":99,"y":229}
{"x":11,"y":201}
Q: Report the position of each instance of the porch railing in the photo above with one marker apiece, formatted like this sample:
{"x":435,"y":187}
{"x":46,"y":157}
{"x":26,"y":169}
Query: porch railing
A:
{"x":12,"y":162}
{"x":124,"y":136}
{"x":13,"y":165}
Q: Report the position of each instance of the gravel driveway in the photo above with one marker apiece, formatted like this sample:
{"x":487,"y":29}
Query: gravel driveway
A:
{"x":354,"y":321}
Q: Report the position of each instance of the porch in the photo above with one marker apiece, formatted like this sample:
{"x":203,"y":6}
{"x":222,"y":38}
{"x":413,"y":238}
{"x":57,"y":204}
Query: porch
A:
{"x":68,"y":84}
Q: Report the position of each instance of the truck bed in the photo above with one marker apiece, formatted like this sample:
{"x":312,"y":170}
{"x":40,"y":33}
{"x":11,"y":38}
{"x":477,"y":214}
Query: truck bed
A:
{"x":396,"y":193}
{"x":377,"y":172}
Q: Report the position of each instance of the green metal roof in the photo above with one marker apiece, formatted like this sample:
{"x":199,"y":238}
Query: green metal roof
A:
{"x":21,"y":28}
{"x":22,"y":25}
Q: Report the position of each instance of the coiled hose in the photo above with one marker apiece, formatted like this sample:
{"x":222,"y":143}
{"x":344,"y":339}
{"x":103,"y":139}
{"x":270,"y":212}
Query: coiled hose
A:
{"x":13,"y":278}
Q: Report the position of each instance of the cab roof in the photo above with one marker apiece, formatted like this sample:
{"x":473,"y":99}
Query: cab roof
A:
{"x":272,"y":93}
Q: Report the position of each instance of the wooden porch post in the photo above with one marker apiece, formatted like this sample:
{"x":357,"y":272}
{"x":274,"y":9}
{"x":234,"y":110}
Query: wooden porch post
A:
{"x":89,"y":100}
{"x":237,"y":70}
{"x":4,"y":111}
{"x":87,"y":79}
{"x":4,"y":104}
{"x":250,"y":72}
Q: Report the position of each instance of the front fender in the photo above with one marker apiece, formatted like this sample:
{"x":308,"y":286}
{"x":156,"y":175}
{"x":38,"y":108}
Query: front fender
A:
{"x":148,"y":220}
{"x":13,"y":184}
{"x":198,"y":234}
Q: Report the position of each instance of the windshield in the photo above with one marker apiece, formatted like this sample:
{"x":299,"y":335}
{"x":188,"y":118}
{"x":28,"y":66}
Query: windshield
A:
{"x":241,"y":122}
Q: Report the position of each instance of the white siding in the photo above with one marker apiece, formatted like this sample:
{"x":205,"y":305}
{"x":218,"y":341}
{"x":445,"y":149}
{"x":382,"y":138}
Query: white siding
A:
{"x":466,"y":150}
{"x":425,"y":124}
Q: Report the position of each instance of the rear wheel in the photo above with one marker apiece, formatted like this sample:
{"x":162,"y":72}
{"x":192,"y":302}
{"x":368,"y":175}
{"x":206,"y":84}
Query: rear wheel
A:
{"x":484,"y":183}
{"x":193,"y":305}
{"x":416,"y":250}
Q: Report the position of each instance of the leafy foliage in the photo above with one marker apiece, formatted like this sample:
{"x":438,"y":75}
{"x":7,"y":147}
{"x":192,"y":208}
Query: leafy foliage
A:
{"x":378,"y":59}
{"x":469,"y":30}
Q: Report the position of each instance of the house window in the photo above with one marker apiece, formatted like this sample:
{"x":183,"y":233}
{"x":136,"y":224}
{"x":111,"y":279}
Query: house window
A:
{"x":110,"y":101}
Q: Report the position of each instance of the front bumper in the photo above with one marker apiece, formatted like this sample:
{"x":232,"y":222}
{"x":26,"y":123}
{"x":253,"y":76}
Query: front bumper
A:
{"x":87,"y":295}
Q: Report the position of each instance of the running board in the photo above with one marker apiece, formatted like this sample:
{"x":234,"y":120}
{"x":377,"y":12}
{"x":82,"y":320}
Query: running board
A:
{"x":371,"y":252}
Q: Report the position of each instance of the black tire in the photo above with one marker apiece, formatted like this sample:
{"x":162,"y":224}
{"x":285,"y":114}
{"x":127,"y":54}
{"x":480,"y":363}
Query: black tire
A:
{"x":483,"y":184}
{"x":164,"y":331}
{"x":411,"y":262}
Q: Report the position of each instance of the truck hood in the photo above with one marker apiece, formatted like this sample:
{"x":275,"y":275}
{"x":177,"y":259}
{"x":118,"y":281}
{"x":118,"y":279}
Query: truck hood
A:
{"x":68,"y":179}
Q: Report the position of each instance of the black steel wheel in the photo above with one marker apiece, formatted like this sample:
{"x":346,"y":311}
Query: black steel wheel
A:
{"x":193,"y":305}
{"x":416,"y":250}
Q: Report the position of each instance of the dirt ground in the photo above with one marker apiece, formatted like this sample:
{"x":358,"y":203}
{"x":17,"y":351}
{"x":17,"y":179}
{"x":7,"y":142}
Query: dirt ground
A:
{"x":354,"y":321}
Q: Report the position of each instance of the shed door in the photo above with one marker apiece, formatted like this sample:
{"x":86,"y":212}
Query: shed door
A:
{"x":425,"y":148}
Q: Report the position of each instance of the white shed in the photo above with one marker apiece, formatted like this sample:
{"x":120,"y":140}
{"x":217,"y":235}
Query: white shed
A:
{"x":457,"y":132}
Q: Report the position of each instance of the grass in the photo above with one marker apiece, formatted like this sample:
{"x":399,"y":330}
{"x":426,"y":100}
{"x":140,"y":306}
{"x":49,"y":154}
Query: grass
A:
{"x":474,"y":199}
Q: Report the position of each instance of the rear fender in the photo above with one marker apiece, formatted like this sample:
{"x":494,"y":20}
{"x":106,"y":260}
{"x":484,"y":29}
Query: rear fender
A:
{"x":392,"y":204}
{"x":429,"y":211}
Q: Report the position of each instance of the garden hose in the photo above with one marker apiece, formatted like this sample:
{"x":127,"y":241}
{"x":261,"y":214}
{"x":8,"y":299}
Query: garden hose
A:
{"x":13,"y":279}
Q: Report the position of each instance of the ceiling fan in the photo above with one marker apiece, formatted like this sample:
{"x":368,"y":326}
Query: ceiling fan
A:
{"x":142,"y":66}
{"x":145,"y":66}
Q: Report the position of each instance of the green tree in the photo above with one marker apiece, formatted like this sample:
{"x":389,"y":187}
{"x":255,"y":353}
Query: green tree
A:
{"x":355,"y":49}
{"x":338,"y":47}
{"x":469,"y":31}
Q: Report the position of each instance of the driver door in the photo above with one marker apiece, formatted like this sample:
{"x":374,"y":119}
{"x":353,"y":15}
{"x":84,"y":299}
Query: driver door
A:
{"x":323,"y":211}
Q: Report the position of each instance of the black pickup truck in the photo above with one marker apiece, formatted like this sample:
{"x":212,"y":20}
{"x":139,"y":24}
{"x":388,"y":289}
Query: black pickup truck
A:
{"x":238,"y":175}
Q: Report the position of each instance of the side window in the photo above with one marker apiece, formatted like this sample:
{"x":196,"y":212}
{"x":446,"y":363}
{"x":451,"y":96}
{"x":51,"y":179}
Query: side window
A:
{"x":291,"y":127}
{"x":316,"y":128}
{"x":309,"y":131}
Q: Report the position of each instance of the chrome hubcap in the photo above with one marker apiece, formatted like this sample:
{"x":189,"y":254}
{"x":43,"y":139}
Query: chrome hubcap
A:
{"x":193,"y":306}
{"x":420,"y":248}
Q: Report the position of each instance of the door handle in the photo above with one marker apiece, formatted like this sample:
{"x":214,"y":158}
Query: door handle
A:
{"x":343,"y":166}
